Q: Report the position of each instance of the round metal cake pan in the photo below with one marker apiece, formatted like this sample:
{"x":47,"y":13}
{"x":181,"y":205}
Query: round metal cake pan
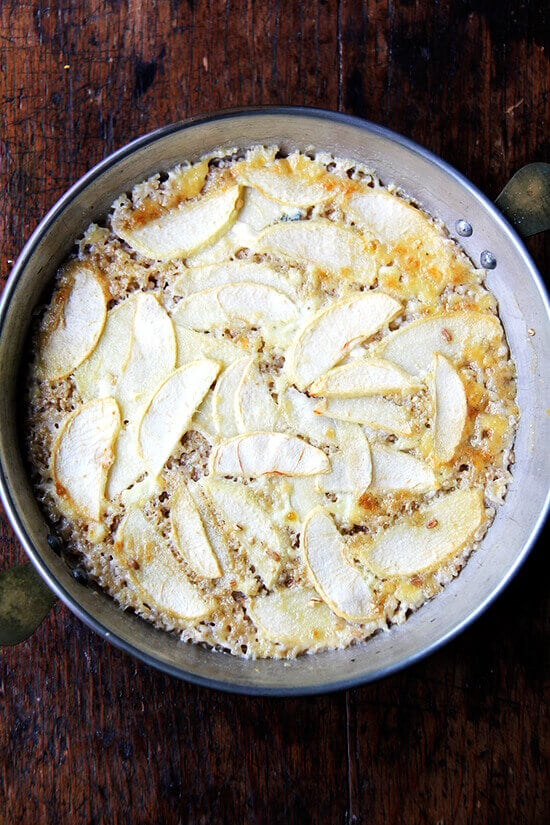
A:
{"x":523,"y":307}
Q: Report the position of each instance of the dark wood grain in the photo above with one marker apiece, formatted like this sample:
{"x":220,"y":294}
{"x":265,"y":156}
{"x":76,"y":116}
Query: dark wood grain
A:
{"x":88,"y":734}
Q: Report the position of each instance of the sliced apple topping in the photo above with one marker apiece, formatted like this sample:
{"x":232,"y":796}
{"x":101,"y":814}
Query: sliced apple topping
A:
{"x":296,"y":618}
{"x":148,"y":563}
{"x":235,"y":305}
{"x":82,"y":455}
{"x":267,"y":453}
{"x":364,"y":376}
{"x":350,"y":464}
{"x":407,"y":548}
{"x":457,"y":336}
{"x":340,"y":585}
{"x":249,"y":525}
{"x":224,"y":398}
{"x":300,"y":416}
{"x":451,"y":409}
{"x":199,"y":278}
{"x":128,"y":465}
{"x":98,"y":374}
{"x":257,"y":213}
{"x":192,"y":345}
{"x":378,"y":413}
{"x":396,"y":470}
{"x":184,"y":229}
{"x":295,"y":180}
{"x":169,"y":413}
{"x":254,"y":407}
{"x":334,"y":331}
{"x":335,"y":249}
{"x":190,"y":536}
{"x":152,"y":356}
{"x":75,"y":320}
{"x":390,"y":219}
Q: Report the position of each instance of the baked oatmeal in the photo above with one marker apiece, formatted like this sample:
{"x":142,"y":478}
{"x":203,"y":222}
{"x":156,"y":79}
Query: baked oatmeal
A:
{"x":270,"y":404}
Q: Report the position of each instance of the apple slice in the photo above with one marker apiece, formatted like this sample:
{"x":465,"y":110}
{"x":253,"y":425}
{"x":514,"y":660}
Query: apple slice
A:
{"x":199,"y":278}
{"x":256,"y":213}
{"x":332,"y":248}
{"x":190,"y":536}
{"x":408,"y":547}
{"x":341,"y":586}
{"x":458,"y":336}
{"x":192,"y":345}
{"x":250,"y":525}
{"x":254,"y":408}
{"x":451,"y":409}
{"x":97,"y":376}
{"x":235,"y":305}
{"x":395,"y":470}
{"x":168,"y":415}
{"x":350,"y":465}
{"x":378,"y":413}
{"x":299,"y":412}
{"x":223,"y":398}
{"x":182,"y":230}
{"x":81,"y":457}
{"x":364,"y":376}
{"x":148,"y":563}
{"x":295,"y":180}
{"x":257,"y":454}
{"x":128,"y":465}
{"x":334,"y":331}
{"x":75,"y":320}
{"x":295,"y":618}
{"x":389,"y":218}
{"x":305,"y":495}
{"x":152,"y":356}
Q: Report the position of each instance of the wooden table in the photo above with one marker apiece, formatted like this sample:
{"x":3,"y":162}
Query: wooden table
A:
{"x":87,"y":733}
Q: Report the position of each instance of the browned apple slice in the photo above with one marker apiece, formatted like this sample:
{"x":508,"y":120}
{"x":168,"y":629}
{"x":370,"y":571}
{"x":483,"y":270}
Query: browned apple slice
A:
{"x":457,"y":336}
{"x":410,"y":547}
{"x":451,"y":409}
{"x":82,"y":455}
{"x":378,"y":413}
{"x":332,"y":248}
{"x":341,"y":586}
{"x":169,"y":413}
{"x":396,"y":470}
{"x":148,"y":563}
{"x":334,"y":331}
{"x":190,"y":536}
{"x":75,"y":320}
{"x":390,"y":218}
{"x":249,"y":525}
{"x":257,"y":454}
{"x":235,"y":305}
{"x":364,"y":376}
{"x":295,"y":618}
{"x":295,"y":180}
{"x":183,"y":229}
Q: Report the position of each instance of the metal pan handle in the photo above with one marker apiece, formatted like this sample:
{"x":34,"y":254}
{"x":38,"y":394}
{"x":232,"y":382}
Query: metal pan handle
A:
{"x":525,"y":200}
{"x":25,"y":601}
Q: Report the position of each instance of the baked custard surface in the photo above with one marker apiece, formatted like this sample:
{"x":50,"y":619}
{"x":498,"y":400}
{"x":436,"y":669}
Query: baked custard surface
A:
{"x":270,"y":404}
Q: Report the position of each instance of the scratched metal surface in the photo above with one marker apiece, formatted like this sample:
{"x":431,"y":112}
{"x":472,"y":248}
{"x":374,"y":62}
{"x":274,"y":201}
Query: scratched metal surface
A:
{"x":88,"y":734}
